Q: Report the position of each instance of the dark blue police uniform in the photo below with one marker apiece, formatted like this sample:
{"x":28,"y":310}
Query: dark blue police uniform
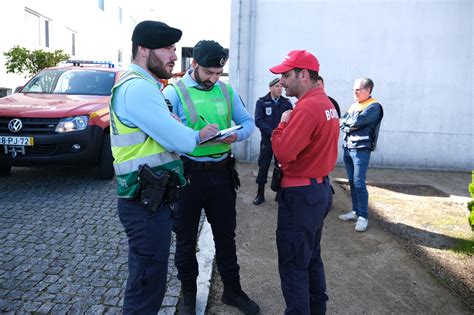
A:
{"x":267,"y":116}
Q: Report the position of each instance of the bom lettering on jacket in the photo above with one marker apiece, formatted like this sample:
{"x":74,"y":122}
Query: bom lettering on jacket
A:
{"x":331,"y":114}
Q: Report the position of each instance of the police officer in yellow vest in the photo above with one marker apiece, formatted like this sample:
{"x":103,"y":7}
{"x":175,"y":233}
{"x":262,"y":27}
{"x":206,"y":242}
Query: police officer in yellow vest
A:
{"x":198,"y":99}
{"x":144,"y":133}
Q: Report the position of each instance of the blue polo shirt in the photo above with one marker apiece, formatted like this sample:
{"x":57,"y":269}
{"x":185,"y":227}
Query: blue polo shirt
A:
{"x":140,"y":103}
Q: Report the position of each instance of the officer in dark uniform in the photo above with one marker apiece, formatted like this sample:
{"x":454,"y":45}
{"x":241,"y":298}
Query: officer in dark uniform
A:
{"x":268,"y":112}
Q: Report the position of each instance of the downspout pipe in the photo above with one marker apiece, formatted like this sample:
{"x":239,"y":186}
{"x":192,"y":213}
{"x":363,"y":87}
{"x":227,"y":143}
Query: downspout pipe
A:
{"x":251,"y":71}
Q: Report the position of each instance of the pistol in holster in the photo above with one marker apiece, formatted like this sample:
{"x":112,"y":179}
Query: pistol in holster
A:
{"x":157,"y":187}
{"x":233,"y":172}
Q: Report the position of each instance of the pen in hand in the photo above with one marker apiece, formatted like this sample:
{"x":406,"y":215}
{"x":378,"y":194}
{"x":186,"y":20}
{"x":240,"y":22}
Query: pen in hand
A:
{"x":209,"y":130}
{"x":204,"y":120}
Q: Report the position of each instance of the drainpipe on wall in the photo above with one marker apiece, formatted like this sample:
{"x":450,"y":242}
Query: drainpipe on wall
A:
{"x":251,"y":72}
{"x":242,"y":74}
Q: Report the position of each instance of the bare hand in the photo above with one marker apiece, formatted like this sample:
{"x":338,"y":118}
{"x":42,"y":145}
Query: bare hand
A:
{"x":286,"y":115}
{"x":230,"y":139}
{"x":208,"y":131}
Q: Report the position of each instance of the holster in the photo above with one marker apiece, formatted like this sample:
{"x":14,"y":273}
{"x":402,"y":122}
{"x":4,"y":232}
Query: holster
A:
{"x":157,"y":187}
{"x":233,"y":172}
{"x":276,"y":178}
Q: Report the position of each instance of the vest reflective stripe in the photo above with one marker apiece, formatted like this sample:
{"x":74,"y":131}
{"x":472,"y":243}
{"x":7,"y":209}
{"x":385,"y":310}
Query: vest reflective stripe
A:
{"x":151,"y":160}
{"x":187,"y":99}
{"x":131,"y":148}
{"x":225,"y":91}
{"x":128,"y":139}
{"x":357,"y":138}
{"x":123,"y":78}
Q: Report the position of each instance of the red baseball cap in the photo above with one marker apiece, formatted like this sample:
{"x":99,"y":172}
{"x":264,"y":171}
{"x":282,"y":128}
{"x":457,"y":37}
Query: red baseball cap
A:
{"x":297,"y":59}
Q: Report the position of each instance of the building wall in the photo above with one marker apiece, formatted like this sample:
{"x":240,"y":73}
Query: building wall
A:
{"x":418,"y":52}
{"x":99,"y":34}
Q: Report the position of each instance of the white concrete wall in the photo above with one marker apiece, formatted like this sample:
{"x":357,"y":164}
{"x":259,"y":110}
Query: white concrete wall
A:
{"x":418,"y":52}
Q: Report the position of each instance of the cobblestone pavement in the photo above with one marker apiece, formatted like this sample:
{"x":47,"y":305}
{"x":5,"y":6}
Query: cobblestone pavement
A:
{"x":62,"y":247}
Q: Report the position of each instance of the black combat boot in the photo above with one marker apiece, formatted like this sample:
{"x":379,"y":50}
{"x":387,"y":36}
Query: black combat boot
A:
{"x":187,"y":300}
{"x":233,"y":295}
{"x":260,"y":195}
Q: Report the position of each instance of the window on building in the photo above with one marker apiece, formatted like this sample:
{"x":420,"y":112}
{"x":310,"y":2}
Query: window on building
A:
{"x":186,"y":57}
{"x":101,"y":4}
{"x":5,"y":92}
{"x":73,"y":44}
{"x":36,"y":29}
{"x":46,"y":33}
{"x":119,"y":57}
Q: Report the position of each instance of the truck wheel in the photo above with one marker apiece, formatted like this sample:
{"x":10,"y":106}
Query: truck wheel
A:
{"x":5,"y":170}
{"x":106,"y":167}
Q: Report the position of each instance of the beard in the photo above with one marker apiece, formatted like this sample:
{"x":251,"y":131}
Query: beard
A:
{"x":156,"y":66}
{"x":205,"y":84}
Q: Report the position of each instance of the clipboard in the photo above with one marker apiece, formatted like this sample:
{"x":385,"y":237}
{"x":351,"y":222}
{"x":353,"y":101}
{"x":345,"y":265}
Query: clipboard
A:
{"x":224,"y":133}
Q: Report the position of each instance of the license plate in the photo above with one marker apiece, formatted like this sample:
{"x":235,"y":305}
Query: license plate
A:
{"x":21,"y":141}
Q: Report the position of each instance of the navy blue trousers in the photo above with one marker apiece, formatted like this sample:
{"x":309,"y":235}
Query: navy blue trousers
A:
{"x":264,"y":160}
{"x":212,"y":190}
{"x":149,"y":238}
{"x":301,"y":213}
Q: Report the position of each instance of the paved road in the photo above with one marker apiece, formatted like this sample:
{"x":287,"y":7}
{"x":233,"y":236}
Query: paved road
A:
{"x":62,"y":247}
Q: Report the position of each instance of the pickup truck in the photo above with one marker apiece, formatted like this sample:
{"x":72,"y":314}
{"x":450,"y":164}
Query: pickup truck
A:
{"x":60,"y":117}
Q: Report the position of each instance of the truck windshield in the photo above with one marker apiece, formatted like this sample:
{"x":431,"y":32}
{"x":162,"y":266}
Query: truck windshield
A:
{"x":76,"y":82}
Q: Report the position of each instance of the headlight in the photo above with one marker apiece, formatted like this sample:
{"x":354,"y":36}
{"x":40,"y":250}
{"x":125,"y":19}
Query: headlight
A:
{"x":72,"y":124}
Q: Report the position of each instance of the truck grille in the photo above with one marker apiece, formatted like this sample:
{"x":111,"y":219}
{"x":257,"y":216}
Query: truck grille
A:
{"x":30,"y":125}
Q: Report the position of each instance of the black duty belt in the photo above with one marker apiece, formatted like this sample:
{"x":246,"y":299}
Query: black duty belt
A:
{"x":205,"y":166}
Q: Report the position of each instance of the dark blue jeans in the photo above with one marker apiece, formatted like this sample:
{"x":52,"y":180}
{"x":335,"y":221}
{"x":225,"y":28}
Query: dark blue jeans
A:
{"x":301,"y":213}
{"x":149,"y":238}
{"x":357,"y":163}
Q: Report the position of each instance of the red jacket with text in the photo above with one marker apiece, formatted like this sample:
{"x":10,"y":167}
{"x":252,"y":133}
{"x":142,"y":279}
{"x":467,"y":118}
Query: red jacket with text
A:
{"x":306,"y":145}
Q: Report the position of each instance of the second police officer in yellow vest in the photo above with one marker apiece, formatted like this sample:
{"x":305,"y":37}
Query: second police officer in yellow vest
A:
{"x":199,"y":99}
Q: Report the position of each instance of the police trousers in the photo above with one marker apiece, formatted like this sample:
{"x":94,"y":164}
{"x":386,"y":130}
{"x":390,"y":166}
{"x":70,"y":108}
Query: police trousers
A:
{"x":149,"y":238}
{"x":264,"y":160}
{"x":301,"y":213}
{"x":213,"y":191}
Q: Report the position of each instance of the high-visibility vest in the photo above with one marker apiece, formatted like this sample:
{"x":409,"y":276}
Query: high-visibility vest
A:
{"x":214,"y":105}
{"x":131,"y":148}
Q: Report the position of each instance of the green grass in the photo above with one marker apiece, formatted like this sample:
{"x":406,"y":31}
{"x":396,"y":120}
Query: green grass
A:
{"x":464,"y":247}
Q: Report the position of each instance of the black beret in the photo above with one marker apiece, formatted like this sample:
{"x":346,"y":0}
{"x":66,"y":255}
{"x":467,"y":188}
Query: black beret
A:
{"x":209,"y":53}
{"x":154,"y":35}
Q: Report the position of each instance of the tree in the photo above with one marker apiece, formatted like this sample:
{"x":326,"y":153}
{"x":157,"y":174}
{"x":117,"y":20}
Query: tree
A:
{"x":23,"y":61}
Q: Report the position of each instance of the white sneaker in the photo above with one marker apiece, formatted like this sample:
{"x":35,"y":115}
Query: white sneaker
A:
{"x":361,"y":225}
{"x":348,"y":216}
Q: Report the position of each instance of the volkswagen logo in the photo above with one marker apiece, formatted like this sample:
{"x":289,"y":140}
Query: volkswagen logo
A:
{"x":15,"y":125}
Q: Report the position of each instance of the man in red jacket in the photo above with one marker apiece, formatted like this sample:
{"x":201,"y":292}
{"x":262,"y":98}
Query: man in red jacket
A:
{"x":305,"y":144}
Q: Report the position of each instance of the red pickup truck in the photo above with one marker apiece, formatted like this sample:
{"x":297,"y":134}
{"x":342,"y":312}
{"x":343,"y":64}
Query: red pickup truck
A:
{"x":60,"y":117}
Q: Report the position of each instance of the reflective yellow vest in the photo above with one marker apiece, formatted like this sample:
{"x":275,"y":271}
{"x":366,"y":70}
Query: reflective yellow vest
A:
{"x":131,"y":148}
{"x":214,"y":105}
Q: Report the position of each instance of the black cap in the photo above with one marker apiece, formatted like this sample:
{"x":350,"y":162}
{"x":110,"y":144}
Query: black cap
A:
{"x":273,"y":82}
{"x":154,"y":35}
{"x":209,"y":53}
